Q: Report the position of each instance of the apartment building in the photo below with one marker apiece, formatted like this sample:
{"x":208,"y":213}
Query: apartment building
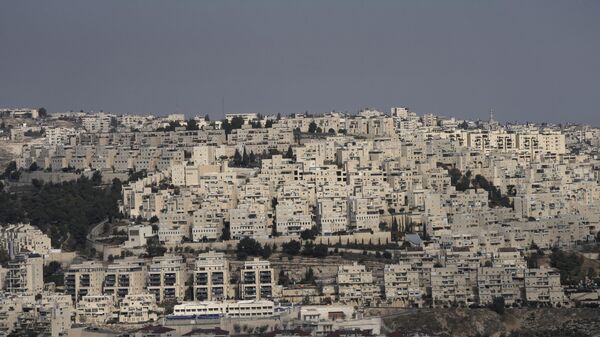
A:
{"x":257,"y":280}
{"x":25,"y":274}
{"x":248,"y":220}
{"x":84,"y":279}
{"x":293,"y":216}
{"x":18,"y":238}
{"x":356,"y":284}
{"x":50,"y":315}
{"x":125,"y":277}
{"x":542,"y":285}
{"x":167,"y":278}
{"x":402,"y":285}
{"x":211,"y":277}
{"x":95,"y":309}
{"x":496,"y":282}
{"x":449,"y":286}
{"x":332,"y":215}
{"x":138,"y":308}
{"x":229,"y":309}
{"x":207,"y":224}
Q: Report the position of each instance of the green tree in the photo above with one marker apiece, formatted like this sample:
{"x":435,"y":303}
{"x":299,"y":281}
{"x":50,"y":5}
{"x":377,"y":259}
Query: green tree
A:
{"x":192,"y":125}
{"x":266,"y":251}
{"x":154,"y":248}
{"x":309,"y":276}
{"x":312,"y":127}
{"x":289,"y":153}
{"x":248,"y":247}
{"x":237,"y":158}
{"x":498,"y":305}
{"x":309,"y":234}
{"x":292,"y":247}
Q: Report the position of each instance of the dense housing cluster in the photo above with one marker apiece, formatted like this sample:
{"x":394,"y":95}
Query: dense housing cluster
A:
{"x":247,"y":217}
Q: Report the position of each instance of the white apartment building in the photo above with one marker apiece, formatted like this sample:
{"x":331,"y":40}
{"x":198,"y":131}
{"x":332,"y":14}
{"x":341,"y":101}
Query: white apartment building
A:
{"x":207,"y":224}
{"x":19,"y":238}
{"x":25,"y":274}
{"x":356,"y":284}
{"x":98,"y":123}
{"x":137,"y":236}
{"x":293,"y":216}
{"x":138,"y":308}
{"x":332,"y":215}
{"x":167,"y":278}
{"x":84,"y":279}
{"x":542,"y":285}
{"x":257,"y":280}
{"x":493,"y":282}
{"x":247,"y":220}
{"x":95,"y":309}
{"x":402,"y":284}
{"x":125,"y":277}
{"x":449,"y":286}
{"x":362,"y":214}
{"x":229,"y":309}
{"x":211,"y":277}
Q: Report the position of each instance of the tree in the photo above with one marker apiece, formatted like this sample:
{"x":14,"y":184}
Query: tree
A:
{"x":266,"y":251}
{"x":226,"y":235}
{"x":309,"y":276}
{"x":331,"y":131}
{"x":9,"y":170}
{"x":289,"y":153}
{"x":192,"y":125}
{"x":63,"y":211}
{"x":154,"y":248}
{"x":97,"y":178}
{"x":394,"y":229}
{"x":226,"y":126}
{"x":312,"y":127}
{"x":245,"y":158}
{"x":237,"y":158}
{"x":33,"y":167}
{"x":268,"y":124}
{"x":320,"y":251}
{"x":308,"y":249}
{"x":284,"y":280}
{"x":292,"y":247}
{"x":455,"y":176}
{"x":498,"y":305}
{"x":42,"y":112}
{"x":237,"y":122}
{"x":248,"y":247}
{"x":309,"y":234}
{"x":568,"y":264}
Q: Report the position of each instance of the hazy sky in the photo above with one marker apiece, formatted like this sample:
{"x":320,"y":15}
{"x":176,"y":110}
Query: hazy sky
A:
{"x":529,"y":60}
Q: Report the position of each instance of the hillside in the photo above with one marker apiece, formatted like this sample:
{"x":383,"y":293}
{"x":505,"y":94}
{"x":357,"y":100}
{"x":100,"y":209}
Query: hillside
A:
{"x":532,"y":322}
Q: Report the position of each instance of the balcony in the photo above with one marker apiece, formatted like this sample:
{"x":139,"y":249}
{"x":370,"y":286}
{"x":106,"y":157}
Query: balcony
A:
{"x":201,"y":280}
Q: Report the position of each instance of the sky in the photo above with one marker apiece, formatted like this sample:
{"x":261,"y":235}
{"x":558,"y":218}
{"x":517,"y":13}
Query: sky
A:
{"x":527,"y":60}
